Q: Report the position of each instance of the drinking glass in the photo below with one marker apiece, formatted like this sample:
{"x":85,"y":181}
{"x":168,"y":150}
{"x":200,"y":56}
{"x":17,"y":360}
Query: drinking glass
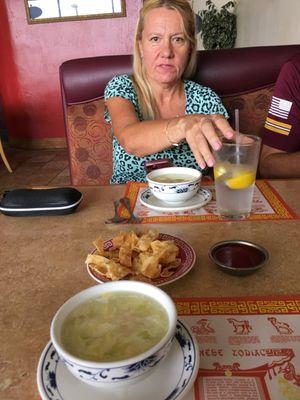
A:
{"x":234,"y":172}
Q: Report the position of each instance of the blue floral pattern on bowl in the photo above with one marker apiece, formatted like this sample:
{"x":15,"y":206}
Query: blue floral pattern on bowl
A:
{"x":178,"y":188}
{"x":126,"y":373}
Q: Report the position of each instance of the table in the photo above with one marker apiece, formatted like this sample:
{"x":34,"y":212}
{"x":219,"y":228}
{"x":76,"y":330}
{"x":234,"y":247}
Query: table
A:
{"x":42,"y":265}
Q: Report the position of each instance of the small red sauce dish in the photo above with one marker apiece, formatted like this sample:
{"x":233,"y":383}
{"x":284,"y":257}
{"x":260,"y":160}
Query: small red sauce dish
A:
{"x":238,"y":257}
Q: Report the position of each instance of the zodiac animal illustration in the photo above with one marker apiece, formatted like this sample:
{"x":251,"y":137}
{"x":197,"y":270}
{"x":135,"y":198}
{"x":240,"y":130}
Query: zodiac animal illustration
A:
{"x":240,"y":327}
{"x":204,"y":328}
{"x":281,"y":327}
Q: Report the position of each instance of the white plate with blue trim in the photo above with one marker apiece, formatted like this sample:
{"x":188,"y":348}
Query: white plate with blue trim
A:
{"x":171,"y":380}
{"x":202,"y":197}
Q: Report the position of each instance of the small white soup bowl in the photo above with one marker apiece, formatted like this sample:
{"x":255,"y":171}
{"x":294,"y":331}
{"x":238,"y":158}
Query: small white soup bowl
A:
{"x":174,"y":192}
{"x":117,"y":372}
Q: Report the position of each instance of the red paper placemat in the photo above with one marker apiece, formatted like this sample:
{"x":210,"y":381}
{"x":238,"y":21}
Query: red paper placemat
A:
{"x":249,"y":347}
{"x":267,"y":205}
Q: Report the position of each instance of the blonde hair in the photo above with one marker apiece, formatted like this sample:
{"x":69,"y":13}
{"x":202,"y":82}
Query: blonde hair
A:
{"x":141,"y":83}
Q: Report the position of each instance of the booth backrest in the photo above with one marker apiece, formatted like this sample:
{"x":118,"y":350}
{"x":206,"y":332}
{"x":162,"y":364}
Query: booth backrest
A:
{"x":243,"y":77}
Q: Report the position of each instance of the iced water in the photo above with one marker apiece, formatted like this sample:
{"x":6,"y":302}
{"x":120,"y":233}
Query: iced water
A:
{"x":234,"y":189}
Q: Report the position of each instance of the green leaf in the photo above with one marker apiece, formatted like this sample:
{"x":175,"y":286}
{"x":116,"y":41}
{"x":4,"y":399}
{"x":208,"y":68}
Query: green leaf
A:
{"x":218,"y":29}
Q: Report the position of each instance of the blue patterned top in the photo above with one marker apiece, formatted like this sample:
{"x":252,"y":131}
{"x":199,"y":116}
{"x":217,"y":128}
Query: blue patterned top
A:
{"x":127,"y":167}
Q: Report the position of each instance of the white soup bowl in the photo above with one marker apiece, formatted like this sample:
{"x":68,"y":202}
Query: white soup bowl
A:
{"x":116,"y":372}
{"x":174,"y":192}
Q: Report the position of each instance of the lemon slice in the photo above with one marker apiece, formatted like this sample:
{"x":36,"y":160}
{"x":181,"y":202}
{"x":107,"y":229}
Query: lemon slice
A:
{"x":241,"y":181}
{"x":219,"y":170}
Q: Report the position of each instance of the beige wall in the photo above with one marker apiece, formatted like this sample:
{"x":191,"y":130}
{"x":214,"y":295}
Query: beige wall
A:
{"x":263,"y":22}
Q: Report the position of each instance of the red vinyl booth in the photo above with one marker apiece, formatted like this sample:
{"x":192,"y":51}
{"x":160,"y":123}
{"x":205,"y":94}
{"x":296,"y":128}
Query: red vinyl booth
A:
{"x":243,"y":77}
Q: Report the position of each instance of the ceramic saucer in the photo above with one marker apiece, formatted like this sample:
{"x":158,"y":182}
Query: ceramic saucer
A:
{"x":202,"y":197}
{"x":172,"y":379}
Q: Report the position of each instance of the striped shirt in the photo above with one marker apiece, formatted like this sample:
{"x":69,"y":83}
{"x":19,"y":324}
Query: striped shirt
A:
{"x":282,"y":125}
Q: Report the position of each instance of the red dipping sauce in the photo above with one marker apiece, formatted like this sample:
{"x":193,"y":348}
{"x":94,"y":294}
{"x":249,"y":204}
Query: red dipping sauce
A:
{"x":238,"y":255}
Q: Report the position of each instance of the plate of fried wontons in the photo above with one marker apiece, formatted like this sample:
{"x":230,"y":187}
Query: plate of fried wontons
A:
{"x":150,"y":256}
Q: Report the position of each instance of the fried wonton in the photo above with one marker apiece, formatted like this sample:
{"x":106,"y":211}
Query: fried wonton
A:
{"x":135,"y":256}
{"x":148,"y":265}
{"x":109,"y":268}
{"x":128,"y":239}
{"x":167,"y":250}
{"x":99,"y":244}
{"x":145,"y":240}
{"x":125,"y":254}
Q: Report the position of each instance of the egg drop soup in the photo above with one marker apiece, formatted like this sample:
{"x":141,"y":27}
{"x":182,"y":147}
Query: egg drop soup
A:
{"x":173,"y":178}
{"x":114,"y":326}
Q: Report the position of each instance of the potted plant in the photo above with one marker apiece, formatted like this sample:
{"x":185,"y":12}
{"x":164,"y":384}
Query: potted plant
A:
{"x":218,"y":27}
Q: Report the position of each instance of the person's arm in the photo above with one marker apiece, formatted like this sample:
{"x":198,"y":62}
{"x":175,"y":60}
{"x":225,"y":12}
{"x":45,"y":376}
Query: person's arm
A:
{"x":149,"y":137}
{"x":276,"y":163}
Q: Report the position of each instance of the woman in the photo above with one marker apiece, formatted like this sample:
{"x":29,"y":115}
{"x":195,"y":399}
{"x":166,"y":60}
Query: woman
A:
{"x":158,"y":113}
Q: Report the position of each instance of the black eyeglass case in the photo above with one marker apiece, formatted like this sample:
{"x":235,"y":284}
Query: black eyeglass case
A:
{"x":33,"y":202}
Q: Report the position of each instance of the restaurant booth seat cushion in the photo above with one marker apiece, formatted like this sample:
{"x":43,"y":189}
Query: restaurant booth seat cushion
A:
{"x":243,"y":77}
{"x":89,"y":143}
